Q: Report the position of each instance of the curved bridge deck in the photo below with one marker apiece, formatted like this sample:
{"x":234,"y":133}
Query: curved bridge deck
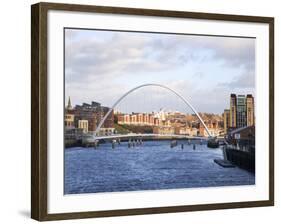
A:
{"x":142,"y":136}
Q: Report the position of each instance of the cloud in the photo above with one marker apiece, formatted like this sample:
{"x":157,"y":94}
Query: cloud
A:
{"x":102,"y":65}
{"x":244,"y":80}
{"x":137,"y":52}
{"x":199,"y":75}
{"x":235,"y":52}
{"x":120,"y":54}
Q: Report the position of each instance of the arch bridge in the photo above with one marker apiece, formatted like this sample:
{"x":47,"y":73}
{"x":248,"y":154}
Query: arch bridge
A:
{"x":183,"y":99}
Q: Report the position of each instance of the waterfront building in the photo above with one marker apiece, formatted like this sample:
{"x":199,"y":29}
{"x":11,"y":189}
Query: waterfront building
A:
{"x":117,"y":112}
{"x":195,"y":132}
{"x":140,"y":118}
{"x":156,"y":121}
{"x":83,"y":124}
{"x":151,"y":119}
{"x":146,"y":119}
{"x":109,"y":121}
{"x":161,"y":115}
{"x":226,"y":120}
{"x":175,"y":122}
{"x":163,"y":130}
{"x":106,"y":131}
{"x":84,"y":113}
{"x":93,"y":113}
{"x":250,"y":110}
{"x":69,"y":120}
{"x":184,"y":131}
{"x":126,"y":119}
{"x":215,"y":124}
{"x":166,"y":123}
{"x":212,"y":127}
{"x":133,"y":119}
{"x":241,"y":114}
{"x":233,"y":111}
{"x":120,"y":119}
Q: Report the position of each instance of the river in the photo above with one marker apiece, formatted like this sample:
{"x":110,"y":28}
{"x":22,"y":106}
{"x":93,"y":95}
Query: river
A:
{"x":153,"y":165}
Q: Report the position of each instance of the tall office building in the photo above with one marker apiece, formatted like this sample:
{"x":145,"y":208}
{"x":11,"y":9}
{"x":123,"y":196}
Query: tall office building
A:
{"x":232,"y":117}
{"x":250,"y":110}
{"x":241,"y":111}
{"x":226,"y":120}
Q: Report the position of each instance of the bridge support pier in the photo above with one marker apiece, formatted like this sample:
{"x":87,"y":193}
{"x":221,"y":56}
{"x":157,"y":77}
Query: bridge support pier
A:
{"x":173,"y":143}
{"x":129,"y":143}
{"x":113,"y":143}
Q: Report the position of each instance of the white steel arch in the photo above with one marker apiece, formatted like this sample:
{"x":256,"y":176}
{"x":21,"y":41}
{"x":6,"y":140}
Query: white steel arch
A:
{"x":145,"y":85}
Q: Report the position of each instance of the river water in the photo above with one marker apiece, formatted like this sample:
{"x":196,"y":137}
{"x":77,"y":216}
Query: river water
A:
{"x":153,"y":165}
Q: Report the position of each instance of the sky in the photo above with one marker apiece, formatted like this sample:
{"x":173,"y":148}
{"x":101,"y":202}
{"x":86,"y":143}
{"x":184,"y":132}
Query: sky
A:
{"x":103,"y":65}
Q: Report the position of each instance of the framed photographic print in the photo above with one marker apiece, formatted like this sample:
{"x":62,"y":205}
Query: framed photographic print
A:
{"x":141,"y":111}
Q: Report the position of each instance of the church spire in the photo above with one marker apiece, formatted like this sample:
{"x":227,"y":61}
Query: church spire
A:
{"x":69,"y":107}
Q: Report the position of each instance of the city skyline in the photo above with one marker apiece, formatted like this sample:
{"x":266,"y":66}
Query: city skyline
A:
{"x":85,"y":118}
{"x":103,"y":65}
{"x":88,"y":117}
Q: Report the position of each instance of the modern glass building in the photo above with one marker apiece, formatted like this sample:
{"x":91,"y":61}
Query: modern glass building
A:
{"x":241,"y":114}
